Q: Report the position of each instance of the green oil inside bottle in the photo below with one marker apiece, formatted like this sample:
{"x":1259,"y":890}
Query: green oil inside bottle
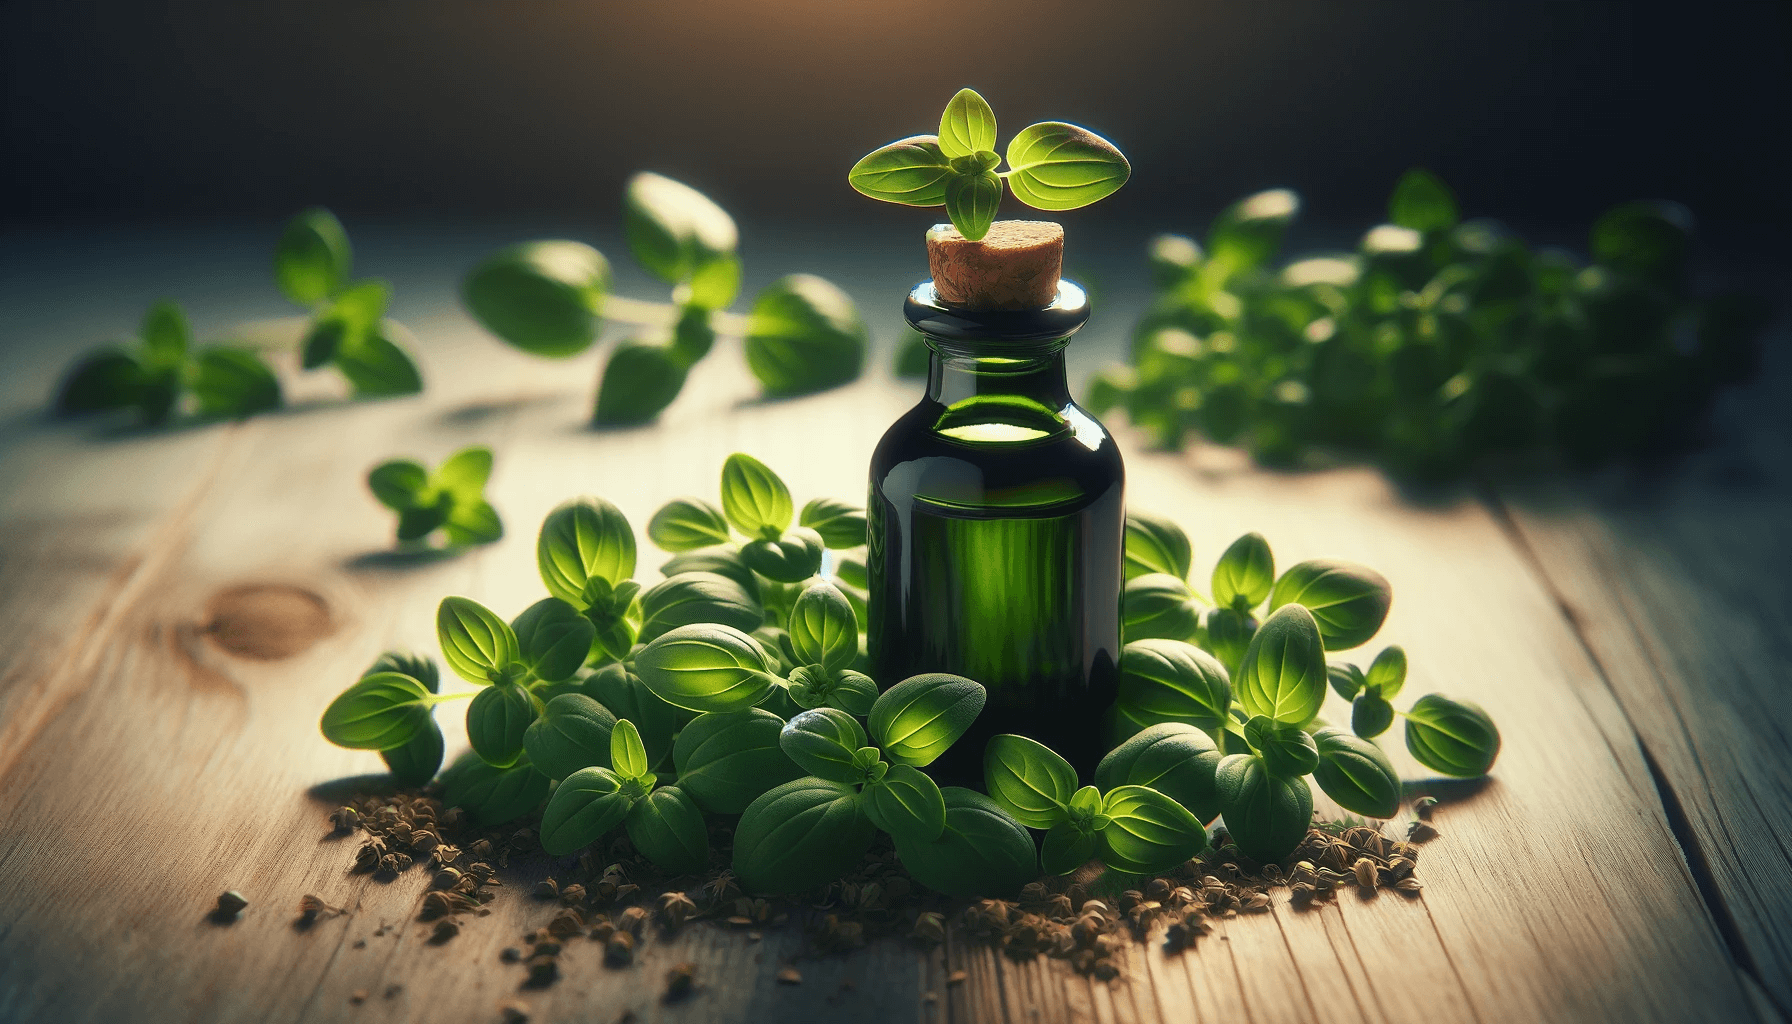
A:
{"x":997,"y":517}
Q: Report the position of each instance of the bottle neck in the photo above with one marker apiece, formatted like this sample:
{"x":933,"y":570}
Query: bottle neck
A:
{"x":997,"y":354}
{"x":958,"y":372}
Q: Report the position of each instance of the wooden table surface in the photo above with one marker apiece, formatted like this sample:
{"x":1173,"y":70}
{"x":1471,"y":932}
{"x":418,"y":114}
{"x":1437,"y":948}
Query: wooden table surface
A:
{"x":1628,"y":860}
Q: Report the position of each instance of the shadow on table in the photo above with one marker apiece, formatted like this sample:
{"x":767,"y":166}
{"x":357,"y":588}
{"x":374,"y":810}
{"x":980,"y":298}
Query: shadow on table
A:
{"x":475,"y":413}
{"x":333,"y":793}
{"x":1446,"y":790}
{"x":400,"y":560}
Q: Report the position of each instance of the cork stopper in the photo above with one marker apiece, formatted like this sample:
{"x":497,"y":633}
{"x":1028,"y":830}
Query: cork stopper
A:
{"x":1015,"y":266}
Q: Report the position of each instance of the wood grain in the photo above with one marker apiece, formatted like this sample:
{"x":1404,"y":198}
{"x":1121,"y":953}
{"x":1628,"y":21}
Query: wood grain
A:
{"x":1680,"y":594}
{"x":146,"y":769}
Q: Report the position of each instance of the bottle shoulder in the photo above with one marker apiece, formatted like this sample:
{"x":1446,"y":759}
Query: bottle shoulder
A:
{"x":915,"y":460}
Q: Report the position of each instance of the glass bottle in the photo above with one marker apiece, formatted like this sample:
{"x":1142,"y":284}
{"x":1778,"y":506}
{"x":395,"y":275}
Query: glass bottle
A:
{"x":997,"y":519}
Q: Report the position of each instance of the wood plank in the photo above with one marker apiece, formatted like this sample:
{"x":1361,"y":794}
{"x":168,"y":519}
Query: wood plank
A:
{"x":1678,"y":589}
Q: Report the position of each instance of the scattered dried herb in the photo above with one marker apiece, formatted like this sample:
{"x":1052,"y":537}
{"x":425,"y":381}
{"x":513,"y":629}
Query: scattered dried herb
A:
{"x":230,"y":906}
{"x":681,"y":980}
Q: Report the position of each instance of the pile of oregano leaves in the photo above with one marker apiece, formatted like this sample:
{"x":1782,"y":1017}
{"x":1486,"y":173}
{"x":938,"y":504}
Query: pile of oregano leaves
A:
{"x":738,"y":685}
{"x":1436,"y":343}
{"x":550,"y":298}
{"x":163,"y":376}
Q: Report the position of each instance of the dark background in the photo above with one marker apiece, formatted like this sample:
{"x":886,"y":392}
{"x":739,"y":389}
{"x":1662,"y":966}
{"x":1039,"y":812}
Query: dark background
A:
{"x":1543,"y":114}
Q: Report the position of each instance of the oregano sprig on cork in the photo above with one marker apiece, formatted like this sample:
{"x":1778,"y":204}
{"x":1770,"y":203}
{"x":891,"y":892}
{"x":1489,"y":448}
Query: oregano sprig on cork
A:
{"x":1051,"y":166}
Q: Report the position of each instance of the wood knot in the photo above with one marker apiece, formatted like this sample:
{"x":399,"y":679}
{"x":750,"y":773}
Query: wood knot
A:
{"x":266,"y":621}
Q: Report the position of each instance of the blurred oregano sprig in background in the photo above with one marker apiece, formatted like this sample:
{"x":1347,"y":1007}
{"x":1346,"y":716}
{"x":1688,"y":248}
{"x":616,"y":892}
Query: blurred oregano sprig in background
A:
{"x":164,"y":375}
{"x":1051,"y":166}
{"x":450,"y":500}
{"x":551,"y":298}
{"x":1433,"y":344}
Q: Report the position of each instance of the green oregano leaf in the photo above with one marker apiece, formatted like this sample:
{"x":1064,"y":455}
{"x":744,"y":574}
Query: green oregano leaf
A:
{"x":1283,"y":674}
{"x":911,"y":171}
{"x":685,"y":524}
{"x":1387,"y":673}
{"x":713,"y":285}
{"x":792,"y":558}
{"x":1058,"y":166}
{"x":1171,"y":681}
{"x":1066,"y":848}
{"x":1174,"y":259}
{"x":616,"y":613}
{"x":854,"y":693}
{"x":584,"y":808}
{"x":1158,"y":605}
{"x":1249,"y":232}
{"x":705,"y":667}
{"x":1147,"y":833}
{"x":1347,"y":680}
{"x":668,"y":829}
{"x":572,"y":732}
{"x":1356,"y":774}
{"x":972,"y":201}
{"x":1028,"y":779}
{"x":754,"y":498}
{"x":420,"y":667}
{"x":982,"y":852}
{"x":696,"y":597}
{"x":800,"y":835}
{"x":554,"y":639}
{"x":498,"y":720}
{"x":673,"y":228}
{"x":377,"y":367}
{"x":1370,"y":715}
{"x":1176,"y":759}
{"x":1267,"y":815}
{"x":721,"y":561}
{"x":492,"y":796}
{"x":1227,"y":635}
{"x":477,"y":644}
{"x":804,"y":335}
{"x":1156,"y":545}
{"x":1348,"y":601}
{"x":231,"y":383}
{"x":841,"y":525}
{"x":581,"y":539}
{"x":725,"y":761}
{"x":313,"y":257}
{"x":639,"y":382}
{"x":1451,"y":737}
{"x":99,"y":381}
{"x":1244,"y":574}
{"x":916,"y":720}
{"x":626,"y":696}
{"x":399,"y":484}
{"x":379,"y":712}
{"x":823,"y":630}
{"x":1422,"y":202}
{"x":542,"y":297}
{"x":1287,"y":751}
{"x":417,"y":761}
{"x":967,"y":126}
{"x":907,"y":804}
{"x":628,"y":758}
{"x":823,"y":742}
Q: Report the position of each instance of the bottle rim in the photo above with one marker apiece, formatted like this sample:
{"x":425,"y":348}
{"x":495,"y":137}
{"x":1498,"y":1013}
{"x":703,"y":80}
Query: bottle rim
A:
{"x":1068,"y":312}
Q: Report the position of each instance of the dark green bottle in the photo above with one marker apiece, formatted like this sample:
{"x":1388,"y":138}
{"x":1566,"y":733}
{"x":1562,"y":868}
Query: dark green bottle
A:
{"x":997,"y":519}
